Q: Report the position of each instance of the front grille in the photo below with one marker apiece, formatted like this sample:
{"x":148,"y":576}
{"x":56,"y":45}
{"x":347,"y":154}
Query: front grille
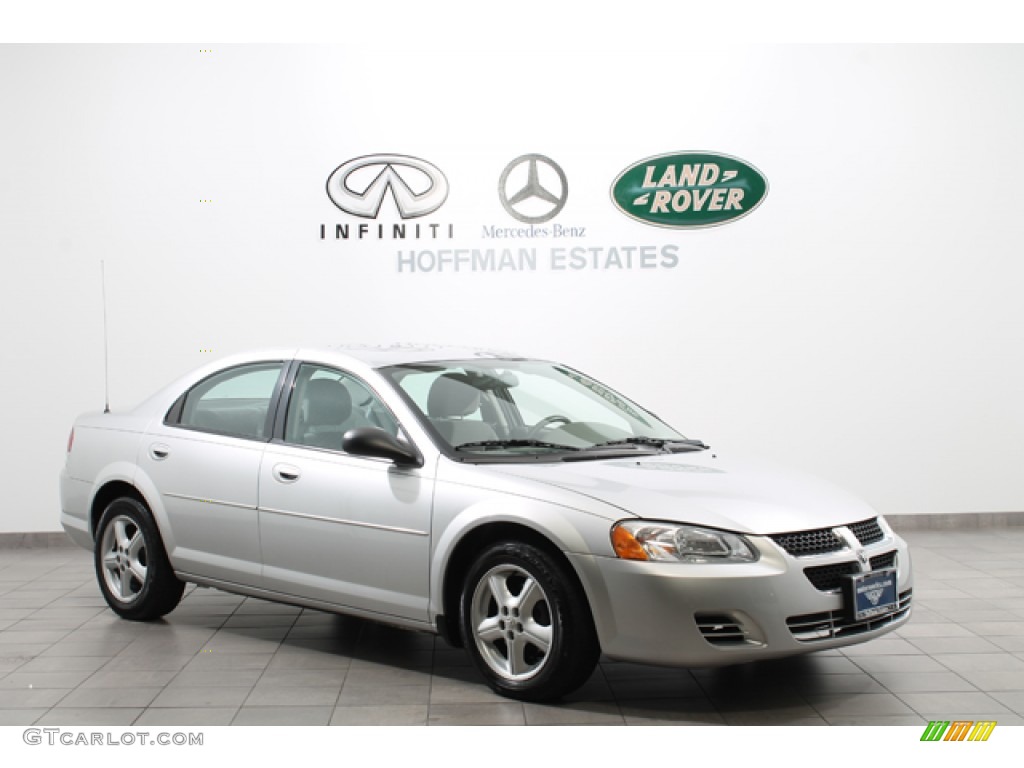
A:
{"x":832,"y":624}
{"x":723,"y":630}
{"x":804,"y":543}
{"x":888,"y":560}
{"x":824,"y":540}
{"x":867,"y":531}
{"x":830,"y":577}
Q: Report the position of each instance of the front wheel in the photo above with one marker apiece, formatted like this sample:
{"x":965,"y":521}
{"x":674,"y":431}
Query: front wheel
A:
{"x":526,"y":624}
{"x":134,"y":573}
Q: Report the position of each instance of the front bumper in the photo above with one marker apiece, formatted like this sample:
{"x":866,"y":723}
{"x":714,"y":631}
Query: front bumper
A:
{"x":682,"y":614}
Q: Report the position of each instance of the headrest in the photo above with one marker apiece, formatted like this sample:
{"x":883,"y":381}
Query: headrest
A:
{"x":451,"y":395}
{"x":327,"y":402}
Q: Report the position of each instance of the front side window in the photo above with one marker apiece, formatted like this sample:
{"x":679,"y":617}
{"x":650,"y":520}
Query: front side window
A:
{"x":327,"y":403}
{"x":234,"y":402}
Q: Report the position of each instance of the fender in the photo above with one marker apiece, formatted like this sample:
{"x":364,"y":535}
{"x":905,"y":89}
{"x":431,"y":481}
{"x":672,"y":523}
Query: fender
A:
{"x":117,"y":472}
{"x":546,"y":519}
{"x":145,"y":486}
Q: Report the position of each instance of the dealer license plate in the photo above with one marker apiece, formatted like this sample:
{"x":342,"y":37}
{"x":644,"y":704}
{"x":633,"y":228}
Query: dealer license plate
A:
{"x":872,"y":594}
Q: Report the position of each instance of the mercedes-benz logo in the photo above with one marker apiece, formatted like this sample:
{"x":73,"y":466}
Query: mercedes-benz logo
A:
{"x":360,"y":185}
{"x":533,"y":188}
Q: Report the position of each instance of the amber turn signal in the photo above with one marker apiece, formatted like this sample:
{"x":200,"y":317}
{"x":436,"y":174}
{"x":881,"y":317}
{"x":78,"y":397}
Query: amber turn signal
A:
{"x":627,"y":547}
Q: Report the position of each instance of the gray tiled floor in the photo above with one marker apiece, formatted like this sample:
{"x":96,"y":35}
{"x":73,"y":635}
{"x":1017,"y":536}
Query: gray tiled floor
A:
{"x":65,"y":659}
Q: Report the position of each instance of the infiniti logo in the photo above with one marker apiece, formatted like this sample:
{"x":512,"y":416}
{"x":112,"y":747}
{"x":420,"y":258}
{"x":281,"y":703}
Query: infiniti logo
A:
{"x":360,"y":185}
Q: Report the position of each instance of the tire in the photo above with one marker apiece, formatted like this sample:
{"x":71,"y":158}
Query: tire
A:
{"x":526,"y":623}
{"x":132,"y":568}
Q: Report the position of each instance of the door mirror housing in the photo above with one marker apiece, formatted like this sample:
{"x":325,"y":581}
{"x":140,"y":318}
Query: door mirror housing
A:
{"x":376,"y":443}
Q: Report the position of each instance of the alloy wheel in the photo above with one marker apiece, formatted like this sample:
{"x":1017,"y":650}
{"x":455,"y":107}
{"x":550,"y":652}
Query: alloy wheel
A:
{"x":511,"y":622}
{"x":124,"y":558}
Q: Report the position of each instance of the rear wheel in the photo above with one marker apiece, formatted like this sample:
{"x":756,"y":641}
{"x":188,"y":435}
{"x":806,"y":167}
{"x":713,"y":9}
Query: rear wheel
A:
{"x":134,"y":573}
{"x":526,"y":624}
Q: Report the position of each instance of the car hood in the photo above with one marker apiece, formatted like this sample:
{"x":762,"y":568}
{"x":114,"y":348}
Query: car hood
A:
{"x":700,"y":488}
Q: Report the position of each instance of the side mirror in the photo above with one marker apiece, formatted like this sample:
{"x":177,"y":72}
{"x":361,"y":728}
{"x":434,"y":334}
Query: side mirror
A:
{"x":375,"y":442}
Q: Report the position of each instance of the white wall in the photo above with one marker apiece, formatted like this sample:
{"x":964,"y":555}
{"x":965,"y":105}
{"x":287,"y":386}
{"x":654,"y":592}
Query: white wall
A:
{"x":865,"y":323}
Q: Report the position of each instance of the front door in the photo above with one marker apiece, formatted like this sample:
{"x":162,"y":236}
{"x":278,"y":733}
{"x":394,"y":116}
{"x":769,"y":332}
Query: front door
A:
{"x":343,"y":529}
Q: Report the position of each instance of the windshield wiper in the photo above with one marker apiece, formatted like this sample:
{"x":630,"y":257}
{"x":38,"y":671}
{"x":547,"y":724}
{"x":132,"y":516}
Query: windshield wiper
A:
{"x":520,"y":443}
{"x":668,"y":443}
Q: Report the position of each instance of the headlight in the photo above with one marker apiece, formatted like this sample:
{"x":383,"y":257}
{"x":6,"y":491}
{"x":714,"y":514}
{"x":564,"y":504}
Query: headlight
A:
{"x":671,"y":542}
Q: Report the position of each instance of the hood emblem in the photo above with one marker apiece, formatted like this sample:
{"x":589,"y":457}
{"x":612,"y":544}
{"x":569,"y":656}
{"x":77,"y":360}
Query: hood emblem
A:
{"x":853,"y":543}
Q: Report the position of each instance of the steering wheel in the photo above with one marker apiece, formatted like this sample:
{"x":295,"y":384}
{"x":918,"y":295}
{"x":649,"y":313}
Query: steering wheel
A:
{"x":546,"y":422}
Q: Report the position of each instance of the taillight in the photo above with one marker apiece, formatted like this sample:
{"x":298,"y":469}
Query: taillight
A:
{"x":71,"y":439}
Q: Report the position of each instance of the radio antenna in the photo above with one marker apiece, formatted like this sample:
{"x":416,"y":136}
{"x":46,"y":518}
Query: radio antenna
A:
{"x":106,"y":356}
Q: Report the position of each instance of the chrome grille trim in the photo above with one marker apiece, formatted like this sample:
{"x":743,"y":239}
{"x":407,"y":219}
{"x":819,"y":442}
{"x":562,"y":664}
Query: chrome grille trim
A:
{"x":828,"y":625}
{"x":723,"y":630}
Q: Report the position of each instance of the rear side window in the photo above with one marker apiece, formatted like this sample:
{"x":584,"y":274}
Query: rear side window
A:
{"x":233,"y":402}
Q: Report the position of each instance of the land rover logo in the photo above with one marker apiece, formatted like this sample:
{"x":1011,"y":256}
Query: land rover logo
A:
{"x":360,"y":185}
{"x":689,"y":190}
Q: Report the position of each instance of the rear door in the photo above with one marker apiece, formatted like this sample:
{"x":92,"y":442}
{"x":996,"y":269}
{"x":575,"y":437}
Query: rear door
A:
{"x":205,"y":460}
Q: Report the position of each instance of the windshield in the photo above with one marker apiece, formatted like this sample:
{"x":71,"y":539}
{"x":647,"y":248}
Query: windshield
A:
{"x":524,"y":407}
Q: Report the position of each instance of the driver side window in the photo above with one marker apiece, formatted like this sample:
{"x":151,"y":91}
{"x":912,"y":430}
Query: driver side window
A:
{"x":326,"y":403}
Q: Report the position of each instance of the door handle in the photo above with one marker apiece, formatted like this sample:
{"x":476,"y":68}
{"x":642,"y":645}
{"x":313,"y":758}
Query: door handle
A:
{"x":159,"y":451}
{"x":286,"y":473}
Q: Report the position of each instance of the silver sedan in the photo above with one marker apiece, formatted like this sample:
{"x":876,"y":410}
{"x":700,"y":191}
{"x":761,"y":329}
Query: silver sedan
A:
{"x":517,"y":507}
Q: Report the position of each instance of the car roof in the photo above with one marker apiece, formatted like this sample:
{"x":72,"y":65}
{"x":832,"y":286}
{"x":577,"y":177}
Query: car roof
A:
{"x":382,"y":355}
{"x":349,"y":355}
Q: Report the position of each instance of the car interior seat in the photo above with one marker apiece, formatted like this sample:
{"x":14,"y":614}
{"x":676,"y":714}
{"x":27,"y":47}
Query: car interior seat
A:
{"x":328,"y":408}
{"x":451,"y":399}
